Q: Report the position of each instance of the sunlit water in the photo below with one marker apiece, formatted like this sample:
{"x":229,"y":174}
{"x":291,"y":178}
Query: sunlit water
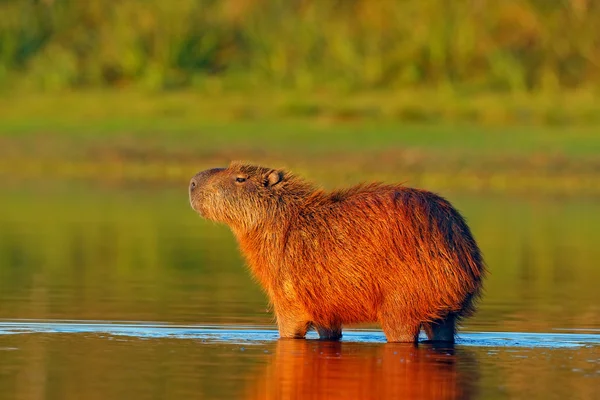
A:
{"x":124,"y":293}
{"x":58,"y":359}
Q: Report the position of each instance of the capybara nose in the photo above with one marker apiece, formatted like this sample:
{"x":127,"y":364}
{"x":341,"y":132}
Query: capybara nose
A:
{"x":193,"y":184}
{"x":201,"y":177}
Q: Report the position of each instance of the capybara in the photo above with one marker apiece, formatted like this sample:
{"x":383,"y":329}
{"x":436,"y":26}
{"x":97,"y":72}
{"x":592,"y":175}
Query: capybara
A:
{"x":375,"y":252}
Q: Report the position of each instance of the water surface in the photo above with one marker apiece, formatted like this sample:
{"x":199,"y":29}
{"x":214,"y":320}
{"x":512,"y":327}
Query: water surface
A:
{"x":61,"y":359}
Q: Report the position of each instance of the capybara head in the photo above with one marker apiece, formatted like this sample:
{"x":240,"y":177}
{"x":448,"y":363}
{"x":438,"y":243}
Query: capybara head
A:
{"x":243,"y":196}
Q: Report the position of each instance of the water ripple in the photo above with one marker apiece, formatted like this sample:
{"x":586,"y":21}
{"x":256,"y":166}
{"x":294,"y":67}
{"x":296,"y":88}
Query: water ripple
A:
{"x":258,"y":334}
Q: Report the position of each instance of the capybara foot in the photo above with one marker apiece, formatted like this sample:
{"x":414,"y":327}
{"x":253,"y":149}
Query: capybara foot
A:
{"x":329,"y":333}
{"x":291,"y":329}
{"x":442,"y":330}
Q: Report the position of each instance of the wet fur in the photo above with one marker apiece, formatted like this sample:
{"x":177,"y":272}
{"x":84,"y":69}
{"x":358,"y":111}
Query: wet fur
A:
{"x":400,"y":256}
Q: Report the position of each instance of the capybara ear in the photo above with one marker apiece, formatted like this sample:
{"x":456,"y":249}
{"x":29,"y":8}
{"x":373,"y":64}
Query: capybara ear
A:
{"x":273,"y":178}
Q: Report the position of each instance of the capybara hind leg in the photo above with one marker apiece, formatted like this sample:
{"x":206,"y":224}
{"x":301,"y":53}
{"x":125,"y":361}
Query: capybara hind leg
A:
{"x":442,"y":330}
{"x":334,"y":333}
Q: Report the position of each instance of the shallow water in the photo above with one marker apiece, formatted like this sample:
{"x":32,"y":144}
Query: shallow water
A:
{"x":125,"y":293}
{"x":63,"y":359}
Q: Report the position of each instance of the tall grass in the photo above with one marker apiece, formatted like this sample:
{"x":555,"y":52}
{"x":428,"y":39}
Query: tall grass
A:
{"x":466,"y":45}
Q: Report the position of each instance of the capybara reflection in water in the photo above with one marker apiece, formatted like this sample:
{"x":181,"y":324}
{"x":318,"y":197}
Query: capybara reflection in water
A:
{"x":305,"y":369}
{"x":382,"y":253}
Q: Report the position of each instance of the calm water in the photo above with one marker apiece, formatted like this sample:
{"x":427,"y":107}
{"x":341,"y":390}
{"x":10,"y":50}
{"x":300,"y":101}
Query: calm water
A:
{"x":114,"y":292}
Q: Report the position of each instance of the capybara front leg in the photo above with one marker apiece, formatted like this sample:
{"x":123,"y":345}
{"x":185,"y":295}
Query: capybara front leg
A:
{"x":396,"y":327}
{"x":291,"y":327}
{"x":442,"y":330}
{"x":332,"y":333}
{"x":405,"y":333}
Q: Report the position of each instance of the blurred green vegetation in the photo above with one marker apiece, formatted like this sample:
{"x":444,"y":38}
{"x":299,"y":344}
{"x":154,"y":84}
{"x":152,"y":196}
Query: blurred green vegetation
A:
{"x":414,"y":89}
{"x":467,"y":45}
{"x":116,"y":147}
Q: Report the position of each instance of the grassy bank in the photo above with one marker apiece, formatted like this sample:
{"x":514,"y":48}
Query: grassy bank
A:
{"x":129,"y":137}
{"x":105,"y":109}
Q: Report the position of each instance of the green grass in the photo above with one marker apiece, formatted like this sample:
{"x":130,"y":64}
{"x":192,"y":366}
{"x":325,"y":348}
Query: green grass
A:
{"x":219,"y":121}
{"x":111,"y":110}
{"x":127,"y":136}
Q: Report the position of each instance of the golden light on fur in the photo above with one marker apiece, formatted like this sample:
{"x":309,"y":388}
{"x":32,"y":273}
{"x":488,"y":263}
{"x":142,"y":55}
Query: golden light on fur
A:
{"x":399,"y":256}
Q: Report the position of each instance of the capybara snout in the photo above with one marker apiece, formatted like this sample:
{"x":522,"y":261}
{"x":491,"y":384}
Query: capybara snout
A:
{"x":202,"y":190}
{"x":399,"y":256}
{"x":201,"y":178}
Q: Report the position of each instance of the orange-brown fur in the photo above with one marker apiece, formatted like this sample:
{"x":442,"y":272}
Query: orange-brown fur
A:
{"x":400,"y":256}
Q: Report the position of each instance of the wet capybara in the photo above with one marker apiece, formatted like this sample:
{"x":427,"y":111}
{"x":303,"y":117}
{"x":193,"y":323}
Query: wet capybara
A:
{"x":399,"y":256}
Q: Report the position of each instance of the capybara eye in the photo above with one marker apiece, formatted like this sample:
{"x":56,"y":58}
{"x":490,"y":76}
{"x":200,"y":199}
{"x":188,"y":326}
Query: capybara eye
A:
{"x":239,"y":179}
{"x":193,"y":185}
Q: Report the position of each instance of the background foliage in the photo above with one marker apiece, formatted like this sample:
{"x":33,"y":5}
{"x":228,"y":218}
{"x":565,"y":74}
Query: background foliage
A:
{"x":338,"y":45}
